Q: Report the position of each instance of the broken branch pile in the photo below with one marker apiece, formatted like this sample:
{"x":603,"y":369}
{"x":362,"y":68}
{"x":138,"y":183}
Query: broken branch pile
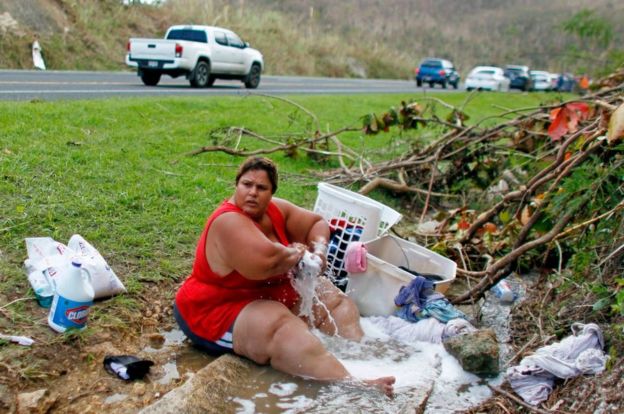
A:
{"x":495,"y":197}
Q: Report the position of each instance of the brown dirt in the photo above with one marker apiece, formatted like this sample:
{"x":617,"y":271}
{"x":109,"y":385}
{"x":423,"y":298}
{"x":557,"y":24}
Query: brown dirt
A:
{"x":71,"y":368}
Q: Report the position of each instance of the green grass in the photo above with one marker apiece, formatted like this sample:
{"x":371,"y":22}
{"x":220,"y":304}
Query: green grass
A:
{"x":116,"y":171}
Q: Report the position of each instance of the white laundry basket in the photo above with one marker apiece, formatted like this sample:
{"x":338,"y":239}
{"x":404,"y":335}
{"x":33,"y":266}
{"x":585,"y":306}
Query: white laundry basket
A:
{"x":374,"y":290}
{"x":352,"y":217}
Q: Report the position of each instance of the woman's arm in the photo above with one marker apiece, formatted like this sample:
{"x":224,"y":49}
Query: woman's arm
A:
{"x":304,"y":226}
{"x":235,"y":243}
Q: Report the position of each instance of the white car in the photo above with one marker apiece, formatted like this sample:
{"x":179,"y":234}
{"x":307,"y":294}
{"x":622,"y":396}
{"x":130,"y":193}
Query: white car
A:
{"x":541,"y":80}
{"x":489,"y":78}
{"x":554,"y":78}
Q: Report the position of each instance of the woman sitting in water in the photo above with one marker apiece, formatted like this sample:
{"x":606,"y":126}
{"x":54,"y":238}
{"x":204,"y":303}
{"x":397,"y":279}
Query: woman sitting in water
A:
{"x":239,"y":297}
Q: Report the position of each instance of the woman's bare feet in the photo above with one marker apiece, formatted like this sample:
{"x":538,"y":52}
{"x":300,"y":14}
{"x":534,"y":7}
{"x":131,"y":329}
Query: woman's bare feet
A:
{"x":384,"y":384}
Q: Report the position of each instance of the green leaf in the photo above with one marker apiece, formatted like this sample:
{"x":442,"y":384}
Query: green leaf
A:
{"x":601,"y":304}
{"x":504,"y":216}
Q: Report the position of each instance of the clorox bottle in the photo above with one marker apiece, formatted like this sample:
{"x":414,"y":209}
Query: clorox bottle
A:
{"x":72,"y":299}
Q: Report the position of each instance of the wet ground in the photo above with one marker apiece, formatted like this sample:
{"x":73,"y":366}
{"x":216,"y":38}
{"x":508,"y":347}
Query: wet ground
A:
{"x":77,"y":382}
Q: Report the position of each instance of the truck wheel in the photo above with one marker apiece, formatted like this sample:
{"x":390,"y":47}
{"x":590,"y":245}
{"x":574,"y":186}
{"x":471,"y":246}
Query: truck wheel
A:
{"x":419,"y":82}
{"x":211,"y":80}
{"x":443,"y":84}
{"x":201,"y":75}
{"x":253,"y":77}
{"x":150,"y":78}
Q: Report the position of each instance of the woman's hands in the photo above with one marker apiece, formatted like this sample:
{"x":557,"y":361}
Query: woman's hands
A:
{"x":319,"y":249}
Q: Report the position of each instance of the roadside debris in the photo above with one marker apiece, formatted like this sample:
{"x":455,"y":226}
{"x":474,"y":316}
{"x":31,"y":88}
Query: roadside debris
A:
{"x":581,"y":353}
{"x":127,"y":367}
{"x":48,"y":260}
{"x":21,"y":340}
{"x":38,"y":62}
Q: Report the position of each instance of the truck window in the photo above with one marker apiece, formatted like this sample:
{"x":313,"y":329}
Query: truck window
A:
{"x":220,"y":38}
{"x":188,"y":34}
{"x":235,"y":41}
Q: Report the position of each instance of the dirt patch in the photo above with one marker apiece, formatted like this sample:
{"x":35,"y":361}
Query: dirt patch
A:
{"x":70,"y":366}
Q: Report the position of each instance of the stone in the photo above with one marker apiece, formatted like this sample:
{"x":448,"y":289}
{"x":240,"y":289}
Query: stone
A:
{"x":477,"y":352}
{"x":36,"y":402}
{"x":204,"y":392}
{"x":138,"y":388}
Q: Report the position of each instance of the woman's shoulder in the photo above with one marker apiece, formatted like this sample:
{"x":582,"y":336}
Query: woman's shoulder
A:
{"x":285,"y":207}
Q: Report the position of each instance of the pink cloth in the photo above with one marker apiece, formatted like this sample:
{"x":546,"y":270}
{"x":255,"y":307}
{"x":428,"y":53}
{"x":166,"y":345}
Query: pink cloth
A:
{"x":355,"y":258}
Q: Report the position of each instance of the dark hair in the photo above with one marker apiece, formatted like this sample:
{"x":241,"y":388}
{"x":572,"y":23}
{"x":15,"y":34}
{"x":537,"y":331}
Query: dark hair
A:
{"x":259,"y":163}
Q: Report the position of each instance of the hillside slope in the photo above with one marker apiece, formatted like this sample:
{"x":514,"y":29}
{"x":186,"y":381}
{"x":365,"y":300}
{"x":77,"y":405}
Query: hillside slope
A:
{"x":365,"y":38}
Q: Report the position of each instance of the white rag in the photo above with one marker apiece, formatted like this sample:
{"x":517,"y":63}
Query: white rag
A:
{"x":578,"y":354}
{"x":425,"y":330}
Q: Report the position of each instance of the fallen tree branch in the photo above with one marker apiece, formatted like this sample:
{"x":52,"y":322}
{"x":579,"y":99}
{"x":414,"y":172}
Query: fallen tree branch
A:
{"x":398,"y":188}
{"x":517,"y":400}
{"x":591,"y":221}
{"x":281,"y":147}
{"x":497,"y":270}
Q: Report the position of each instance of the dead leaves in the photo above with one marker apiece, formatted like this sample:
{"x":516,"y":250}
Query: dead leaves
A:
{"x":616,"y":125}
{"x":566,"y":118}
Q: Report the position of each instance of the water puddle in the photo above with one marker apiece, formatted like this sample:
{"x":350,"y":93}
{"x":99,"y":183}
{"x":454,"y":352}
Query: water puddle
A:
{"x":179,"y":357}
{"x":420,"y":369}
{"x":171,"y":373}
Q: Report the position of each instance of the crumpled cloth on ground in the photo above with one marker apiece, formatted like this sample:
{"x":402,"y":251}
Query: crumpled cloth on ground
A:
{"x":425,"y":330}
{"x":418,"y":300}
{"x":578,"y":354}
{"x":355,"y":258}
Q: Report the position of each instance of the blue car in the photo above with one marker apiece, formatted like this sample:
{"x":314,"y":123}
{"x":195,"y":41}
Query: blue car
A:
{"x":565,"y":83}
{"x":434,"y":70}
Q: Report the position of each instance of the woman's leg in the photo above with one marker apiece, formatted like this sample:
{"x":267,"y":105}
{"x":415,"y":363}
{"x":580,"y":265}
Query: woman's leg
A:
{"x":268,"y":333}
{"x":337,"y":313}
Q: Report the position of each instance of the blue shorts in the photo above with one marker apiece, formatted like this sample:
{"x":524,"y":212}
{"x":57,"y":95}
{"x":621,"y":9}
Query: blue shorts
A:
{"x":220,"y":346}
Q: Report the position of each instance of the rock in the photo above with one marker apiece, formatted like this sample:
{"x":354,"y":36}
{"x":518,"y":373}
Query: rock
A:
{"x":36,"y":402}
{"x":138,"y":388}
{"x":205,"y":391}
{"x":477,"y":352}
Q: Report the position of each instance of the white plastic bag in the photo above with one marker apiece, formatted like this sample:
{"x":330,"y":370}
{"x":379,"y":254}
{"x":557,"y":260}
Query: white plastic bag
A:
{"x":105,"y":281}
{"x":50,"y":258}
{"x":46,"y":256}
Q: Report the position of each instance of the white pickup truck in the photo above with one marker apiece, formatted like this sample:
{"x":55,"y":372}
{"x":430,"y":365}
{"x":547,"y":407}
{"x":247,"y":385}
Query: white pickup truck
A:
{"x":201,"y":53}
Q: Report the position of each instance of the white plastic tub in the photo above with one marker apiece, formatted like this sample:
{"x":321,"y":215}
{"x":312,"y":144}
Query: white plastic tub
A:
{"x":374,"y":290}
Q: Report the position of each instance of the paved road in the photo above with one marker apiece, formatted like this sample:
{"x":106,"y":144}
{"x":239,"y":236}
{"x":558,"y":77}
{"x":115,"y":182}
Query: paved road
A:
{"x":52,"y":85}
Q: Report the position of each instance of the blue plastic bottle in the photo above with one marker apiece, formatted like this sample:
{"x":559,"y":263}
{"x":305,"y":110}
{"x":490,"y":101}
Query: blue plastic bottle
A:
{"x":502,"y":290}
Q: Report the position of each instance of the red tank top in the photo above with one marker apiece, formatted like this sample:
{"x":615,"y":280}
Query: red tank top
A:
{"x":210,"y":303}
